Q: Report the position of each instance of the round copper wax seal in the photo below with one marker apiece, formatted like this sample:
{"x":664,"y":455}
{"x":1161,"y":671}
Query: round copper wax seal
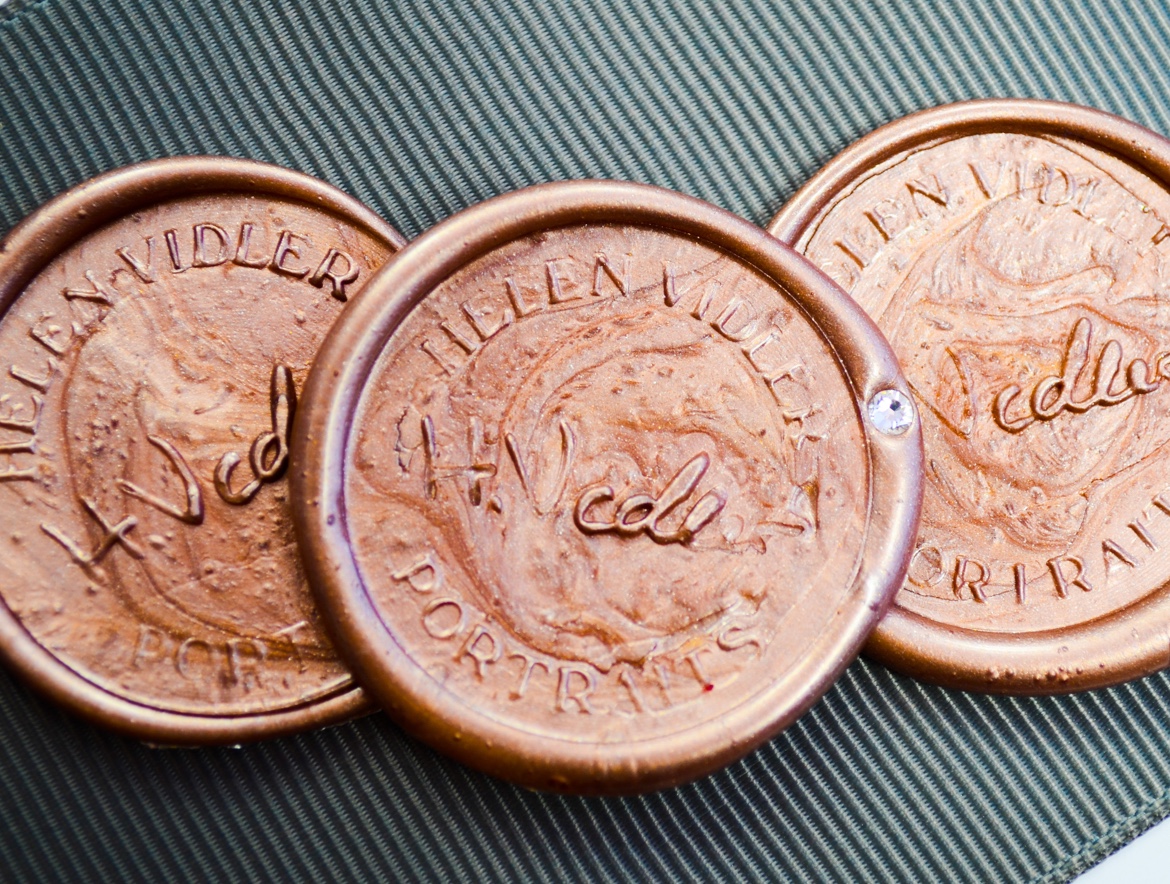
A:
{"x":591,"y":487}
{"x":1016,"y":255}
{"x":156,"y":323}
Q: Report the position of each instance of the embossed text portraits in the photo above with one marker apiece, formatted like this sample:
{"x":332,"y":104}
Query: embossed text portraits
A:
{"x":1015,"y":254}
{"x":599,"y":483}
{"x":157,"y":325}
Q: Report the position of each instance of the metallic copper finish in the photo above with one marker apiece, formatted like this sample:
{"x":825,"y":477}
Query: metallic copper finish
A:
{"x":155,"y":324}
{"x":588,"y":491}
{"x":1015,"y":254}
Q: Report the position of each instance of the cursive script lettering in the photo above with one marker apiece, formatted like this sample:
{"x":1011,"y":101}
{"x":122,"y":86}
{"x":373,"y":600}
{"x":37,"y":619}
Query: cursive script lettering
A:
{"x":269,"y":454}
{"x":192,"y":513}
{"x":1057,"y":393}
{"x":114,"y":535}
{"x":644,"y":513}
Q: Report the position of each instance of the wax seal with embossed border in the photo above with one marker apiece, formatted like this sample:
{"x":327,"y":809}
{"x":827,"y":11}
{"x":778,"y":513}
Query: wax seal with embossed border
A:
{"x":1016,"y":255}
{"x":599,"y":486}
{"x":155,"y":324}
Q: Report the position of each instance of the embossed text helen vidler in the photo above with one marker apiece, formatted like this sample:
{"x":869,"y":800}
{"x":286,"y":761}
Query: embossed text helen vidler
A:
{"x":155,"y":323}
{"x":1015,"y":253}
{"x":599,"y":486}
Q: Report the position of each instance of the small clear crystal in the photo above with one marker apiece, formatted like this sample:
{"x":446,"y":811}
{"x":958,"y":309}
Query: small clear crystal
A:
{"x":891,"y":412}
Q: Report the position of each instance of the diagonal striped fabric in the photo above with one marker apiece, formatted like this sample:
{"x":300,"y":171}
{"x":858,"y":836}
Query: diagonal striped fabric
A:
{"x":420,"y":109}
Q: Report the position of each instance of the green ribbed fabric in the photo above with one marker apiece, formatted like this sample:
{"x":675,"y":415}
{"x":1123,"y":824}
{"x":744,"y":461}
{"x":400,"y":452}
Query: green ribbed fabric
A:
{"x":420,"y":110}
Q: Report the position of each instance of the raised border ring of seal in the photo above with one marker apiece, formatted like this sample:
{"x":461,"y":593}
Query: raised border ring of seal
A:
{"x":1015,"y":254}
{"x":599,"y":486}
{"x":156,"y":323}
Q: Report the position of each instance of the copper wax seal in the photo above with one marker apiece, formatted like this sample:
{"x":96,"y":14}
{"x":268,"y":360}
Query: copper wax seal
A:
{"x":1015,"y":253}
{"x":156,"y":324}
{"x":600,"y":486}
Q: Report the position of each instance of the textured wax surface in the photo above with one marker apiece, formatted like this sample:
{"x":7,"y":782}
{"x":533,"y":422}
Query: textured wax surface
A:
{"x":420,"y":110}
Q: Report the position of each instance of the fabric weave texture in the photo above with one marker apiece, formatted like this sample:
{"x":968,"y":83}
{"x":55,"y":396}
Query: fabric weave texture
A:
{"x":421,"y":109}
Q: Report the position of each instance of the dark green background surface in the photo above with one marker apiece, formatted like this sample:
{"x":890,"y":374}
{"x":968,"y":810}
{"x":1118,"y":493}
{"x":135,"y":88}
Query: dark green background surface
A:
{"x":420,"y":110}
